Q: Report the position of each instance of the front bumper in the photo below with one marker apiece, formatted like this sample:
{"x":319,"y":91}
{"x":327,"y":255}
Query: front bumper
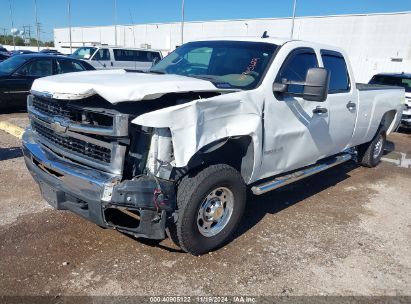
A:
{"x":406,"y":118}
{"x":99,"y":196}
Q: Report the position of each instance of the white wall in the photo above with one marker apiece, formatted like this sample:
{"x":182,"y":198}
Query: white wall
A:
{"x":29,"y":48}
{"x":371,"y":41}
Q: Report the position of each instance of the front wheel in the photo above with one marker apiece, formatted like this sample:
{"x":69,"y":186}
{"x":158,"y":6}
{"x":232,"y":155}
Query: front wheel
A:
{"x":210,"y":206}
{"x":369,"y":154}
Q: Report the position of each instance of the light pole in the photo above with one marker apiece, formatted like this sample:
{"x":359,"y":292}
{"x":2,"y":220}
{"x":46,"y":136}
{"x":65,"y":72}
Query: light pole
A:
{"x":115,"y":22}
{"x":37,"y":27}
{"x":12,"y":25}
{"x":182,"y":22}
{"x":69,"y":17}
{"x":292,"y":23}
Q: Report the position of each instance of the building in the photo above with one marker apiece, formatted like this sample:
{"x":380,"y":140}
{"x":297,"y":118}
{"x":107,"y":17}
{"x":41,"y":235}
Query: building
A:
{"x":374,"y":42}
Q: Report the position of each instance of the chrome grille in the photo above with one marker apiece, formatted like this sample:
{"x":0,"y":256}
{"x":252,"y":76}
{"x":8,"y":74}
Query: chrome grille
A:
{"x":73,"y":144}
{"x":50,"y":107}
{"x":84,"y":135}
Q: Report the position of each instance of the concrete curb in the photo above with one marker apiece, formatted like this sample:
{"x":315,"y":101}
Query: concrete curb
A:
{"x":11,"y":129}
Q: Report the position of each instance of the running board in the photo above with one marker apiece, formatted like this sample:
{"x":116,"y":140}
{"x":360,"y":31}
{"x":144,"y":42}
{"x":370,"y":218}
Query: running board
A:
{"x":281,"y":181}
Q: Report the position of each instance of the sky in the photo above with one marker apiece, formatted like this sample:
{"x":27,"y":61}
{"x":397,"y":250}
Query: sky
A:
{"x":53,"y":13}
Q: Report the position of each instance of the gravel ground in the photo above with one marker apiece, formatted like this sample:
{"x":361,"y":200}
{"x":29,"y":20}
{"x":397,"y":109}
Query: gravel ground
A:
{"x":345,"y":231}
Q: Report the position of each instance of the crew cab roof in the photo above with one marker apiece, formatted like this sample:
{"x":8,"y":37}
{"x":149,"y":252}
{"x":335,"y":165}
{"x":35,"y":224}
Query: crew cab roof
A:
{"x":272,"y":40}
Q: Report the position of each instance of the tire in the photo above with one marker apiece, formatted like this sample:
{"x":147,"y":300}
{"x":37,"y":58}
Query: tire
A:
{"x":369,"y":154}
{"x":210,"y":206}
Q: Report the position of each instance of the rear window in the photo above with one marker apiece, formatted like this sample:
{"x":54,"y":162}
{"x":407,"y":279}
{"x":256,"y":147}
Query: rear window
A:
{"x":135,"y":55}
{"x":335,"y":63}
{"x":399,"y":81}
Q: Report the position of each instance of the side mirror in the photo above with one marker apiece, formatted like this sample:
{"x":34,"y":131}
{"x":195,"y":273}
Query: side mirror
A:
{"x":154,"y":61}
{"x":316,"y":84}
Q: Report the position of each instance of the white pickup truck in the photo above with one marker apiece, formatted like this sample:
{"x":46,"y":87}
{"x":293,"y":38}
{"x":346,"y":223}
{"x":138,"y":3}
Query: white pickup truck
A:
{"x":172,"y":150}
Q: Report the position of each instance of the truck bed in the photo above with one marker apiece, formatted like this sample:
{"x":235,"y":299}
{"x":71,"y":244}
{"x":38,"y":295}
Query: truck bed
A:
{"x":368,"y":87}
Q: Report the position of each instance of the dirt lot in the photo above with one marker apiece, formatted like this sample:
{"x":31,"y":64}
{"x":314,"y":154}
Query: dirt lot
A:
{"x":342,"y":232}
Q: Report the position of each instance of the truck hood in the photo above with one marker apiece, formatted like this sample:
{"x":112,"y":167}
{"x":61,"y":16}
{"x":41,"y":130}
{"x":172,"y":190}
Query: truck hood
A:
{"x":118,"y":85}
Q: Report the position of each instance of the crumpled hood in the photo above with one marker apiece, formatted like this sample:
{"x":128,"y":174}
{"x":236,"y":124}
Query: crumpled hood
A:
{"x":118,"y":85}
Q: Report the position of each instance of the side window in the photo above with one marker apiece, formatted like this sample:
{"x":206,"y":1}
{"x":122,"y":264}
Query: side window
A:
{"x":335,"y":63}
{"x":125,"y":55}
{"x":102,"y":54}
{"x":67,"y":66}
{"x":38,"y":68}
{"x":295,"y":68}
{"x":141,"y":56}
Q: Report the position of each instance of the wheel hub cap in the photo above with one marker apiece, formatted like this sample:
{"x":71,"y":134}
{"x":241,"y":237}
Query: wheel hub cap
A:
{"x":215,"y":211}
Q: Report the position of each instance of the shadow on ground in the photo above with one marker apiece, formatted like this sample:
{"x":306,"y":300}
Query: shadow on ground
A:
{"x":10,"y":153}
{"x":280,"y":199}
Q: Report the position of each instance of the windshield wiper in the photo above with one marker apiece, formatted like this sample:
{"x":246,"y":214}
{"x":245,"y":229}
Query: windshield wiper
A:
{"x":135,"y":71}
{"x":204,"y":77}
{"x":213,"y":80}
{"x":157,"y":72}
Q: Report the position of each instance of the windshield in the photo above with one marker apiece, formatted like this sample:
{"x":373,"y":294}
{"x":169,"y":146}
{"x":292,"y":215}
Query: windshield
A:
{"x":228,"y":64}
{"x":84,"y":52}
{"x":404,"y":82}
{"x":10,"y":65}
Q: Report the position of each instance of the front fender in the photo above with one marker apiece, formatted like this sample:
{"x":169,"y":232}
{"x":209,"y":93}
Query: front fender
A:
{"x":200,"y":122}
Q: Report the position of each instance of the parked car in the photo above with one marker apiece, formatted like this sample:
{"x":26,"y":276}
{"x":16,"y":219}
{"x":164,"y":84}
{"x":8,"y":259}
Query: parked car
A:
{"x":3,"y":50}
{"x":4,"y":54}
{"x":4,"y":57}
{"x":401,"y":80}
{"x":173,"y":149}
{"x":108,"y":57}
{"x":18,"y":73}
{"x":51,"y":52}
{"x":21,"y":52}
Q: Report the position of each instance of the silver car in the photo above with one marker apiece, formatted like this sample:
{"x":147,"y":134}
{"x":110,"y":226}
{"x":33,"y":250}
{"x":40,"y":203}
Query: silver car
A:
{"x":111,"y":57}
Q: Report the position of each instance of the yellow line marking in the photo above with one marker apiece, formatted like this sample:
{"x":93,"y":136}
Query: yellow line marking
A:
{"x":11,"y":129}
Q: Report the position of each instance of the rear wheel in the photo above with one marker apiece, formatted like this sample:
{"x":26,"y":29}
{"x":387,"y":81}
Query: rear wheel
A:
{"x":369,"y":154}
{"x":210,"y":207}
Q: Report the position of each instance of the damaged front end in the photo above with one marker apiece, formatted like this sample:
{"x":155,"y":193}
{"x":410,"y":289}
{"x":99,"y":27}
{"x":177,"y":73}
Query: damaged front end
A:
{"x":90,"y":159}
{"x":143,"y":204}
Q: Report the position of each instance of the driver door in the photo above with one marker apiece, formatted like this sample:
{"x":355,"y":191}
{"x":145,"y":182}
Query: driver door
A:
{"x":102,"y":59}
{"x":296,"y":131}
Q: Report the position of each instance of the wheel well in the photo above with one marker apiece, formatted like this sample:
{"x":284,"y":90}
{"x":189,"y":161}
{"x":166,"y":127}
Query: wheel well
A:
{"x":237,"y":152}
{"x":387,"y":121}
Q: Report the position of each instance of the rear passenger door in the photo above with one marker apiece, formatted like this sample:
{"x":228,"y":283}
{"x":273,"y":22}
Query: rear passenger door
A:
{"x":342,"y":101}
{"x":102,"y":59}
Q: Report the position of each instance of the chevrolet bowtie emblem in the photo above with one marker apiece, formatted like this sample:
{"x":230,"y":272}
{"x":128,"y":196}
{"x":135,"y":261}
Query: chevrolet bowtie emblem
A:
{"x":58,"y":127}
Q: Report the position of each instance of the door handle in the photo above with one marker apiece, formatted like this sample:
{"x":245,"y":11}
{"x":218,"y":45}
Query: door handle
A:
{"x":351,"y":106}
{"x":112,"y":63}
{"x":320,"y":110}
